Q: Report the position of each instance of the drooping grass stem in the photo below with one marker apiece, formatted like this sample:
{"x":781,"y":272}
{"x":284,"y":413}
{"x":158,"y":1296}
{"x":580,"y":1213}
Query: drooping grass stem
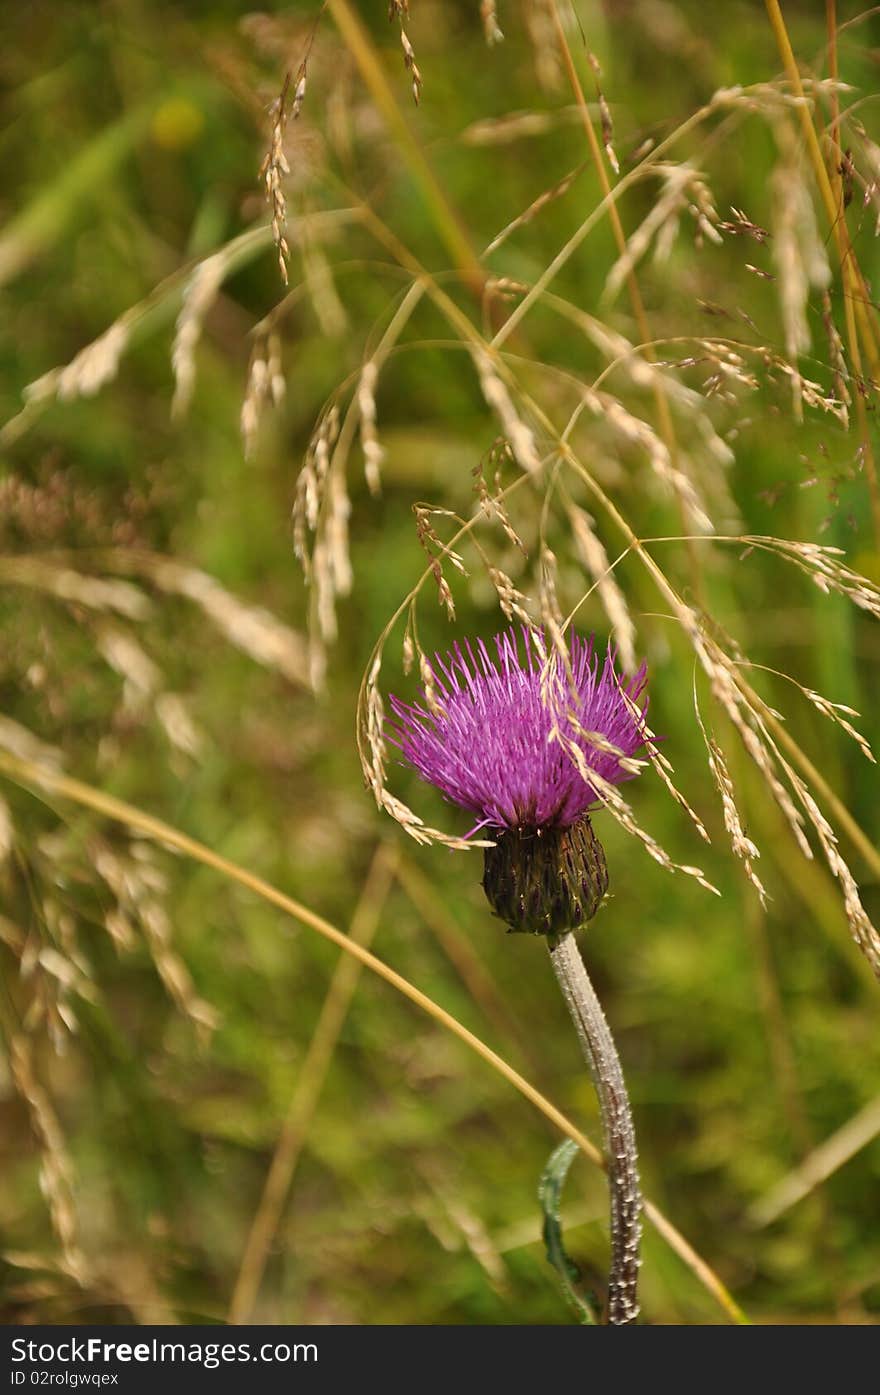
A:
{"x":619,"y":1137}
{"x":47,"y":782}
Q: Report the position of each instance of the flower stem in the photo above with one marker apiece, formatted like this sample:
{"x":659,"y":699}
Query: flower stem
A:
{"x":619,"y":1136}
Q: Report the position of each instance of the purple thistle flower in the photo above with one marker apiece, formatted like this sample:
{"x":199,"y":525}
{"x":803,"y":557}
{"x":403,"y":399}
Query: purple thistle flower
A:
{"x":484,"y":740}
{"x":486,"y":745}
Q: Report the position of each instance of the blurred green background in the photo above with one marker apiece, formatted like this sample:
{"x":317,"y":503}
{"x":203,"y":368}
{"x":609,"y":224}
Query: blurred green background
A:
{"x":159,"y":1019}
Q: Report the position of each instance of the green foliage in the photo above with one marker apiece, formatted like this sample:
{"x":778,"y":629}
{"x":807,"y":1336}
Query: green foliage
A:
{"x":156,"y":1017}
{"x":550,"y":1196}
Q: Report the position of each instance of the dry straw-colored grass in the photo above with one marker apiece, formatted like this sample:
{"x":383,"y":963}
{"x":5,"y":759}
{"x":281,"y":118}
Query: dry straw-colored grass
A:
{"x":545,"y":518}
{"x":54,"y":785}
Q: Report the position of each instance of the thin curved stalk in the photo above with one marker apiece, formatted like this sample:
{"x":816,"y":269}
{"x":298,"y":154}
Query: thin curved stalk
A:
{"x":310,"y":1083}
{"x":661,"y":401}
{"x":619,"y":1137}
{"x":446,"y":220}
{"x":856,"y":300}
{"x":41,"y":778}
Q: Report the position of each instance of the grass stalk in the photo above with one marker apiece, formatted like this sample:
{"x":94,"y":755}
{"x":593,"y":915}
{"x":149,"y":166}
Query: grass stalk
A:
{"x":661,"y":400}
{"x":854,"y":292}
{"x":310,"y":1083}
{"x":446,"y":221}
{"x":37,"y":777}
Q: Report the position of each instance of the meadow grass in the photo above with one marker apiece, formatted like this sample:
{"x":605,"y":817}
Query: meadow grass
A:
{"x":582,"y":336}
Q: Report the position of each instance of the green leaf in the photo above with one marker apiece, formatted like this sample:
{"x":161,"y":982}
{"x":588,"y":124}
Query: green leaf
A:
{"x":550,"y":1196}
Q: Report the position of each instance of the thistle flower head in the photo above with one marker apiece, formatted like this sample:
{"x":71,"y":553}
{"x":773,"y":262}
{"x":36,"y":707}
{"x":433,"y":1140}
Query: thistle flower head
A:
{"x":502,"y":736}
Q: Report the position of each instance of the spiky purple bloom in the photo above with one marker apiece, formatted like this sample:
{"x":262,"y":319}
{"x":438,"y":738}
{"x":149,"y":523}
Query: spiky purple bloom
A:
{"x":487,"y":745}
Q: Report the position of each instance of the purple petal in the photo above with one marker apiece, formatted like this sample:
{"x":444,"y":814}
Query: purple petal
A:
{"x":486,"y":746}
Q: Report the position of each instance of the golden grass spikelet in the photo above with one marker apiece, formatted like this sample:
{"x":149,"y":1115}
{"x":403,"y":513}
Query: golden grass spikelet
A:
{"x":870,"y":183}
{"x":265,"y":384}
{"x":7,"y":831}
{"x":429,"y":540}
{"x":174,"y":974}
{"x":426,"y":674}
{"x":682,"y":186}
{"x":420,"y":832}
{"x":637,"y":431}
{"x":741,"y":225}
{"x":399,"y":10}
{"x":836,"y":712}
{"x":511,"y":600}
{"x":19,"y":741}
{"x":663,"y":768}
{"x":721,"y":672}
{"x":321,"y":504}
{"x":548,"y":196}
{"x":91,"y":369}
{"x":366,"y":400}
{"x":491,"y":27}
{"x":742,"y":845}
{"x":798,"y":252}
{"x":176,"y":721}
{"x":337,"y":535}
{"x":252,"y":629}
{"x":138,"y":885}
{"x":373,"y":752}
{"x":820,"y":563}
{"x":836,"y":359}
{"x":98,"y":363}
{"x":517,"y":125}
{"x":833,"y":711}
{"x":622,"y":354}
{"x":729,"y":365}
{"x":141,"y":676}
{"x":605,"y":121}
{"x":275,"y":167}
{"x":95,"y":593}
{"x":56,"y":1170}
{"x":520,"y":436}
{"x":325,"y":592}
{"x":594,"y":557}
{"x":863,"y":930}
{"x":310,"y":485}
{"x":52,"y":969}
{"x":553,"y":622}
{"x":617,"y":806}
{"x":492,"y":503}
{"x":319,"y":282}
{"x":199,"y":295}
{"x":64,"y":975}
{"x":739,"y":707}
{"x":375,"y":756}
{"x":541,"y":31}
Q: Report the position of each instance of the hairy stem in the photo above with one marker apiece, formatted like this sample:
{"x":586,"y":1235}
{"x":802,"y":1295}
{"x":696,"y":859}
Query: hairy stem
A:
{"x":619,"y":1137}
